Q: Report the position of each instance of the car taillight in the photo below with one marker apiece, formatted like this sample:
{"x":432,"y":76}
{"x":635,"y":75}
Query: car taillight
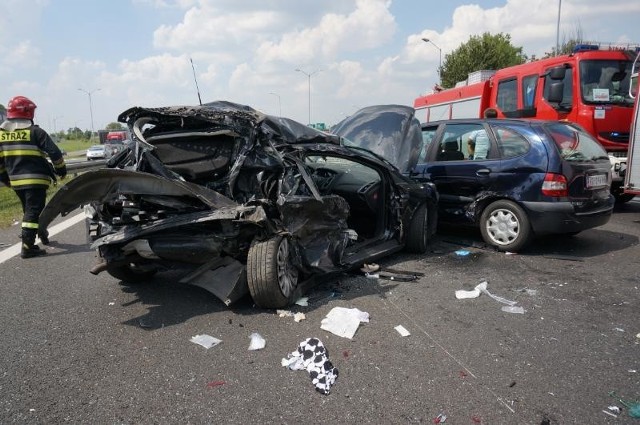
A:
{"x":555,"y":185}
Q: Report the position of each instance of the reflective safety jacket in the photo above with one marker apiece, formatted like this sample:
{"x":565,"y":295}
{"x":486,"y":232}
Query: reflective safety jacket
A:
{"x":23,"y":151}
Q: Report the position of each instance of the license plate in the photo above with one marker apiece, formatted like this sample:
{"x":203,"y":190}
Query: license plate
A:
{"x":596,"y":180}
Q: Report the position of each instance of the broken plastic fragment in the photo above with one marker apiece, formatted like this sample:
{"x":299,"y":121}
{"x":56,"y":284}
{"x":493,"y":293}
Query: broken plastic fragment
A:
{"x":344,"y":322}
{"x":402,"y":331}
{"x":370,"y":268}
{"x":462,"y":253}
{"x":257,"y":342}
{"x":298,"y":317}
{"x":304,"y":302}
{"x":284,"y":313}
{"x":440,"y":418}
{"x":513,"y":309}
{"x":206,"y":341}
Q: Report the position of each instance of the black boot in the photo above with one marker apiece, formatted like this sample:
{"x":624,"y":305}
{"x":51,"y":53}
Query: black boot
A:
{"x":29,"y":247}
{"x":44,"y":236}
{"x":31,"y":251}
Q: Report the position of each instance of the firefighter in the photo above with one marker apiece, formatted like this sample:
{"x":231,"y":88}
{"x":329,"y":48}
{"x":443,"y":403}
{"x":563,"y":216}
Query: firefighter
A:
{"x":23,"y":165}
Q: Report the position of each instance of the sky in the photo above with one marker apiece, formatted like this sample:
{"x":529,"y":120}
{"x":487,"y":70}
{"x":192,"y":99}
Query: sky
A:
{"x":83,"y":62}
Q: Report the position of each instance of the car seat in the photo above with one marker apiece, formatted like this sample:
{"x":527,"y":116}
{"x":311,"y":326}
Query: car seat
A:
{"x":450,"y":151}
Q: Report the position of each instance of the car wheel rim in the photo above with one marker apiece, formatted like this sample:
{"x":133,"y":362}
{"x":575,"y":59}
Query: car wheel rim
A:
{"x":503,"y":227}
{"x":287,"y":274}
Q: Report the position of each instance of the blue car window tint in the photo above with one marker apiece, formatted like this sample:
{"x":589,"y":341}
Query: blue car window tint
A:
{"x":510,"y":143}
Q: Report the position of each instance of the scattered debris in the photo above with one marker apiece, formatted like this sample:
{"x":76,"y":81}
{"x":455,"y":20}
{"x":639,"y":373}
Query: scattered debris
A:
{"x":298,"y":317}
{"x":618,"y":329}
{"x":632,"y":406}
{"x":112,"y":303}
{"x":304,"y":302}
{"x":313,"y":357}
{"x":214,"y":384}
{"x":512,"y":384}
{"x":343,"y":321}
{"x":370,"y":268}
{"x":516,"y":309}
{"x":609,"y":413}
{"x":441,"y":418}
{"x":614,"y":409}
{"x":257,"y":342}
{"x":462,"y":253}
{"x":206,"y":341}
{"x":482,"y":288}
{"x":284,"y":313}
{"x":402,"y":331}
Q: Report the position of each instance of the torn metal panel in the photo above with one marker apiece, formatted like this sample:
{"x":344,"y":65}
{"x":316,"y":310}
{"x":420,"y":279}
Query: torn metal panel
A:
{"x":230,"y":197}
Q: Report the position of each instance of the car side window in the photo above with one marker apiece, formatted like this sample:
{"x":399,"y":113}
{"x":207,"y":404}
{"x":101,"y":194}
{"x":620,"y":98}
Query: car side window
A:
{"x":459,"y":140}
{"x":428,"y":134}
{"x":510,"y":142}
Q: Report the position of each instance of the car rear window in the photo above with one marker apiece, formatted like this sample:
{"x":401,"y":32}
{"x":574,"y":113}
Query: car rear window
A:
{"x":510,"y":143}
{"x":575,"y":144}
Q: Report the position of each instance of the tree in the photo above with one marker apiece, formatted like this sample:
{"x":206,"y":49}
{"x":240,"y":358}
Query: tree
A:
{"x":114,"y":126}
{"x":479,"y":53}
{"x":567,"y":46}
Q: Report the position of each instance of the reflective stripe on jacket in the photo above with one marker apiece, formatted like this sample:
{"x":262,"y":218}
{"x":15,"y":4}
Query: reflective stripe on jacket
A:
{"x":23,"y":153}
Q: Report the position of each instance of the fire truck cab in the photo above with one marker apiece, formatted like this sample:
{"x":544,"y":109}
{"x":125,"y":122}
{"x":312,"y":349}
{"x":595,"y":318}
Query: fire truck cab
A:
{"x":589,"y":87}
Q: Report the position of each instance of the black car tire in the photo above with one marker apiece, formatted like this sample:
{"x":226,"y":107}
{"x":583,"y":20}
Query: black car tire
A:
{"x":129,"y":273}
{"x":271,"y":276}
{"x":622,"y":198}
{"x":505,"y":225}
{"x":418,"y":235}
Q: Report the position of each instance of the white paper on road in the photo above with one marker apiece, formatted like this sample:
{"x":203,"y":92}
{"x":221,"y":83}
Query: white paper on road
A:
{"x":402,"y":331}
{"x":207,"y":341}
{"x":343,"y":321}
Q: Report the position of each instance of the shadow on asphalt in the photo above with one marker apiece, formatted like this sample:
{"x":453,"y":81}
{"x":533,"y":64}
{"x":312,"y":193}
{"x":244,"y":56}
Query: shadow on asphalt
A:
{"x":170,"y":303}
{"x":590,"y":243}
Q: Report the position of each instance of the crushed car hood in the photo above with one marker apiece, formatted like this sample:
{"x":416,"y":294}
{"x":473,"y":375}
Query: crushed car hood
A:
{"x":390,"y":131}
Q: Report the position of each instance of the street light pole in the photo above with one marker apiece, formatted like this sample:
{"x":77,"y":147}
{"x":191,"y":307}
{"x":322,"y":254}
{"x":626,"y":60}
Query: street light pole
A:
{"x":309,"y":77}
{"x":55,"y":119}
{"x":558,"y":29}
{"x":427,"y":40}
{"x":279,"y":103}
{"x":90,"y":107}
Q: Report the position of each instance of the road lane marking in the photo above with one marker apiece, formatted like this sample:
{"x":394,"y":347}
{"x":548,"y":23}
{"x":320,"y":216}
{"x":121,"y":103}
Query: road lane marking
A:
{"x":14,"y":250}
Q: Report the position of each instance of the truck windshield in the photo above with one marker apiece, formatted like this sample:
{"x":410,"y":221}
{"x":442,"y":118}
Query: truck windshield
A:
{"x":605,"y":81}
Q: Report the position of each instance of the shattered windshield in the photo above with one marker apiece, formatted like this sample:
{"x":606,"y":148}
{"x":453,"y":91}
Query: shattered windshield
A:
{"x":605,"y":81}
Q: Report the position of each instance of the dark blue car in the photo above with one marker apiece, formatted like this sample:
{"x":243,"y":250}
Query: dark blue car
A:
{"x":513,"y":178}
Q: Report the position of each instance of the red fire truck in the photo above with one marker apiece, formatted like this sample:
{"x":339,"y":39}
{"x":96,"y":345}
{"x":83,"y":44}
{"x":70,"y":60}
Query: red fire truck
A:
{"x":589,"y":86}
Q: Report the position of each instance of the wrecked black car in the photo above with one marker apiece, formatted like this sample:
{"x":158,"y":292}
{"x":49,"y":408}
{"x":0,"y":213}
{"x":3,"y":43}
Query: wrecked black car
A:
{"x":237,"y":201}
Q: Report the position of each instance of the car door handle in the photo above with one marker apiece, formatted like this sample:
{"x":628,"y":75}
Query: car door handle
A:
{"x":483,"y":172}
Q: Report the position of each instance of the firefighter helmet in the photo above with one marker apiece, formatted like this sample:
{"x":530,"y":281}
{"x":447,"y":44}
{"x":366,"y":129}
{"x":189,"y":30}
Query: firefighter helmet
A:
{"x":20,"y":107}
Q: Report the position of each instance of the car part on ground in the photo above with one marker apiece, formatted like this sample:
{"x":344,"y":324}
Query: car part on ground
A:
{"x":239,"y":202}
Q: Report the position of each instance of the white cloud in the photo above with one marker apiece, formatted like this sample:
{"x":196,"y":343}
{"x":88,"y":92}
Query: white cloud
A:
{"x":368,"y":26}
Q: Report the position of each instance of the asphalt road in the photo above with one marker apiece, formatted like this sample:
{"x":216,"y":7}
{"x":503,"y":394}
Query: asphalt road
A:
{"x":78,"y":348}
